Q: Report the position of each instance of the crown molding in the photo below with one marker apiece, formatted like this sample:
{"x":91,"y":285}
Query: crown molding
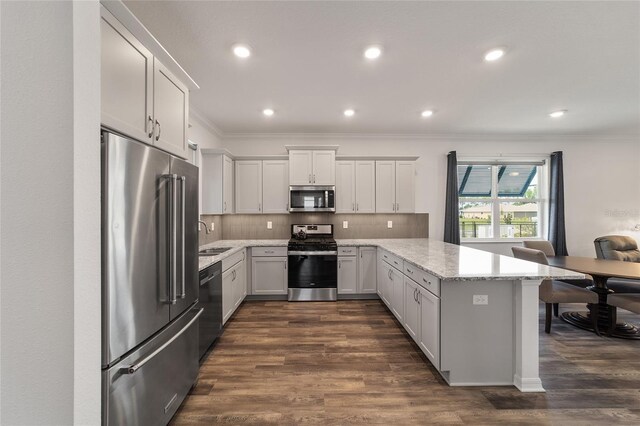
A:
{"x":480,"y":137}
{"x":208,"y":124}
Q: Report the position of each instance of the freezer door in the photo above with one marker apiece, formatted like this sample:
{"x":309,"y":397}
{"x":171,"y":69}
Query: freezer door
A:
{"x":147,"y":387}
{"x":134,"y":270}
{"x":186,"y":243}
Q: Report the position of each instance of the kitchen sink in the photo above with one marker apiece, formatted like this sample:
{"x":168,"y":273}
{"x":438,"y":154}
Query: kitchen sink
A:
{"x":213,"y":251}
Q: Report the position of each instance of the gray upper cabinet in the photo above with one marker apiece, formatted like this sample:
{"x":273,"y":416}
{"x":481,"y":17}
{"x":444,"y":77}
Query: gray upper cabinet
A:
{"x":139,"y":96}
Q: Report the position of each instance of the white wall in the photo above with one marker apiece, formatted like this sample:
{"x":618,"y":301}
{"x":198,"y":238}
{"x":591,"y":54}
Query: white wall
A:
{"x":601,"y":174}
{"x":49,"y":214}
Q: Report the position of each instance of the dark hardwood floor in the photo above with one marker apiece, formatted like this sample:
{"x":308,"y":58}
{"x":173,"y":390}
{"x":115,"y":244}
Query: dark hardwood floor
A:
{"x":351,"y":362}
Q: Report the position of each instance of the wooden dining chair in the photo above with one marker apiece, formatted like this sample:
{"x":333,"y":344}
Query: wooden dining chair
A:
{"x":552,"y":291}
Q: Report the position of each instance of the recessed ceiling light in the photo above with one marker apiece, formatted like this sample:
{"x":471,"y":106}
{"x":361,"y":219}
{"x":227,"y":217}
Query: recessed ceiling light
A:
{"x":494,"y":54}
{"x":514,"y":174}
{"x":268,"y":112}
{"x":241,"y":51}
{"x":373,"y":52}
{"x":427,"y":113}
{"x":558,"y":114}
{"x":349,"y":112}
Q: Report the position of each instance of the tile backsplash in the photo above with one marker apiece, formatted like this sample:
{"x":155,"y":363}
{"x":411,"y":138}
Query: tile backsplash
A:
{"x":247,"y":226}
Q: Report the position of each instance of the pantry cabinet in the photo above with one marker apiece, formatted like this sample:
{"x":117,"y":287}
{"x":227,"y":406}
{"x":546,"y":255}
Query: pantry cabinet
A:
{"x":139,"y":96}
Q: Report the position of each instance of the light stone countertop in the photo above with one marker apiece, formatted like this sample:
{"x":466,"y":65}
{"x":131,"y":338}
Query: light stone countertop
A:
{"x":446,"y":261}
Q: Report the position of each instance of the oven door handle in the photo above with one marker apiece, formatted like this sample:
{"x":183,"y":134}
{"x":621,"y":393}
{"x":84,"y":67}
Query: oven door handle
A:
{"x":313,"y":253}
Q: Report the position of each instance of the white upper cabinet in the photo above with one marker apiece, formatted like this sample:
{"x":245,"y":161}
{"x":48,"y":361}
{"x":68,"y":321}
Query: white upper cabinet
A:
{"x":227,"y":185}
{"x":126,"y":81}
{"x":405,"y":186}
{"x":385,"y":186}
{"x":324,"y":167}
{"x":275,"y":186}
{"x":300,"y":167}
{"x":171,"y":111}
{"x":365,"y":186}
{"x":248,"y":186}
{"x":345,"y":187}
{"x":395,"y":186}
{"x":217,"y":184}
{"x":139,"y":96}
{"x":307,"y":167}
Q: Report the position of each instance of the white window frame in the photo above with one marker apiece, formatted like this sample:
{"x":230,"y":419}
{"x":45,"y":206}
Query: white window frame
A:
{"x":542,"y":200}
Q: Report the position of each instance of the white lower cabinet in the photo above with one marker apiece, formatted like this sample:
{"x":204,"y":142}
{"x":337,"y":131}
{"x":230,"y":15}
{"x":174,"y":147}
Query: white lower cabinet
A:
{"x":347,"y":274}
{"x":234,"y":286}
{"x":367,"y":276}
{"x":411,"y":308}
{"x":429,"y":334}
{"x":269,"y":275}
{"x":397,"y":296}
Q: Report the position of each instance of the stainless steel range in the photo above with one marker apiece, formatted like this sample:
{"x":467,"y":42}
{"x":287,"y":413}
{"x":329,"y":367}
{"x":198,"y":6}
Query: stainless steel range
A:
{"x":313,"y":264}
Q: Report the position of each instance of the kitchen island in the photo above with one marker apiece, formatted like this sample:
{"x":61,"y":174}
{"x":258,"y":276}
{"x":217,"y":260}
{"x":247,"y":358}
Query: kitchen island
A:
{"x":474,"y":314}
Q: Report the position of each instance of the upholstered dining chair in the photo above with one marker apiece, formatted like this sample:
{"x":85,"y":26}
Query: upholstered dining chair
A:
{"x":629,"y":301}
{"x":552,"y":291}
{"x":619,"y":247}
{"x":543,"y":245}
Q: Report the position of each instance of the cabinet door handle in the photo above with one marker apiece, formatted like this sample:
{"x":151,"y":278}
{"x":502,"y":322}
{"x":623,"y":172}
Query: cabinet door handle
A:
{"x":357,"y":207}
{"x":285,"y":265}
{"x":150,"y":127}
{"x":353,"y":207}
{"x":159,"y":130}
{"x":259,"y":207}
{"x":415,"y":298}
{"x":419,"y":297}
{"x":314,"y":178}
{"x":309,"y":178}
{"x":393,"y":207}
{"x":397,"y":207}
{"x":339,"y":264}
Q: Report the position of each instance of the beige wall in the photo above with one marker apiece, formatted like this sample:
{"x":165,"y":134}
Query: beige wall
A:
{"x":245,"y":226}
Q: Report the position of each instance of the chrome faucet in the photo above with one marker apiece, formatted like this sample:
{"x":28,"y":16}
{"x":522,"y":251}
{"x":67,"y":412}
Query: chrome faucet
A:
{"x":206,"y":228}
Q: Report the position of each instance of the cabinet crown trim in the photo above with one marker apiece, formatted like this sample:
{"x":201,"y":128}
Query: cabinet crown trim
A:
{"x":376,"y":158}
{"x":312,"y":147}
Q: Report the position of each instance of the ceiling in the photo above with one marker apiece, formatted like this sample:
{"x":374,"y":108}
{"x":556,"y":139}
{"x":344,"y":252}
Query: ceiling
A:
{"x":307,"y":64}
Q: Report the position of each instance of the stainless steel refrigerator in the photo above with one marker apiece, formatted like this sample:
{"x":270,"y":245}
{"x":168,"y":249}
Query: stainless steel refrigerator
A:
{"x":149,"y":282}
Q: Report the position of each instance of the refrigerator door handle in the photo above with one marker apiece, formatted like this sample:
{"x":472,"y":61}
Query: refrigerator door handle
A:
{"x":173,"y":234}
{"x":130,"y":369}
{"x":183,"y":188}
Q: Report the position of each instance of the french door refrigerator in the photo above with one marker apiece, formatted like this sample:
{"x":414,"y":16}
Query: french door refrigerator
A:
{"x":149,"y":282}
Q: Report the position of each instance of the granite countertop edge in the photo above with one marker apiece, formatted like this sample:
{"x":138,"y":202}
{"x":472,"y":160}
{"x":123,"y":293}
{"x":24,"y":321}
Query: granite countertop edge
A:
{"x":391,"y":245}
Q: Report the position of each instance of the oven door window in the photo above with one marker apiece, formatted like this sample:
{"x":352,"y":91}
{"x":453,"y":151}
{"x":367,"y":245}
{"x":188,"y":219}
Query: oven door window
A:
{"x":313,"y":271}
{"x":312,"y":199}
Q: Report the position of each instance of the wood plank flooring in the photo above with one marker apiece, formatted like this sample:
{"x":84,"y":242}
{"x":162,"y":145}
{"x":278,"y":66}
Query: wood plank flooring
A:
{"x":351,"y":362}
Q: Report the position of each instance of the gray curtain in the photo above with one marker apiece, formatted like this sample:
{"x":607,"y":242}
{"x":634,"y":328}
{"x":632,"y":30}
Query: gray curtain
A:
{"x":451,"y":213}
{"x":557,"y":233}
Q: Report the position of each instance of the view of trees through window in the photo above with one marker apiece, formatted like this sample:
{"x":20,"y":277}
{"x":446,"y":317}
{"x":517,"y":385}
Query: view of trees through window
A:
{"x":508,"y":192}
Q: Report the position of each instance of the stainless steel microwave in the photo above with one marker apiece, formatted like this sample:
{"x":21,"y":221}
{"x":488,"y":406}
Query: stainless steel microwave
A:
{"x":312,"y":199}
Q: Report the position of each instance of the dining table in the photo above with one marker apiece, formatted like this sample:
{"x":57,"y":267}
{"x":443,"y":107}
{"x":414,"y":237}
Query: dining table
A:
{"x":601,"y":270}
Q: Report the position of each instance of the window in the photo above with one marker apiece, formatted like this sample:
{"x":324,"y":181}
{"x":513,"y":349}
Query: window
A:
{"x":501,"y":201}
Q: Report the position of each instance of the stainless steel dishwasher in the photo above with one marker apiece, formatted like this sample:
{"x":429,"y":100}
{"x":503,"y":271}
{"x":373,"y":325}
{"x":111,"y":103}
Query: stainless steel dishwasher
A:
{"x":210,"y":299}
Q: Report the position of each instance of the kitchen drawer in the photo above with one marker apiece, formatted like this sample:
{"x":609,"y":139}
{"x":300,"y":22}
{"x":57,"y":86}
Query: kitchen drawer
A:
{"x":268,"y":251}
{"x":423,"y":278}
{"x":233,"y":259}
{"x":392,"y":260}
{"x":347,"y":251}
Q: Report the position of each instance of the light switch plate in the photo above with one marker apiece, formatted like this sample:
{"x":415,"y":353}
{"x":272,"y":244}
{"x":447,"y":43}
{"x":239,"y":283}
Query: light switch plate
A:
{"x":269,"y":224}
{"x":213,"y":226}
{"x":345,"y":224}
{"x":389,"y":224}
{"x":480,"y":299}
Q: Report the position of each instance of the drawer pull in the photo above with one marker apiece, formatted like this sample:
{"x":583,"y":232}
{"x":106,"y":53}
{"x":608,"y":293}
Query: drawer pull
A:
{"x":409,"y":271}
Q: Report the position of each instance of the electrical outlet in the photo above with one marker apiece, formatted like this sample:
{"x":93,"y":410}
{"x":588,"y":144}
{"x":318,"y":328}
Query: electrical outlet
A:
{"x":269,"y":224}
{"x":213,"y":226}
{"x":345,"y":224}
{"x":389,"y":224}
{"x":480,"y":299}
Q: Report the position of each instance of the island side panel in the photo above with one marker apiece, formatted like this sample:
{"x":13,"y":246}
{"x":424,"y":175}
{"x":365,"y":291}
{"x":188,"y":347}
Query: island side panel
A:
{"x":526,"y":376}
{"x":477,"y":341}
